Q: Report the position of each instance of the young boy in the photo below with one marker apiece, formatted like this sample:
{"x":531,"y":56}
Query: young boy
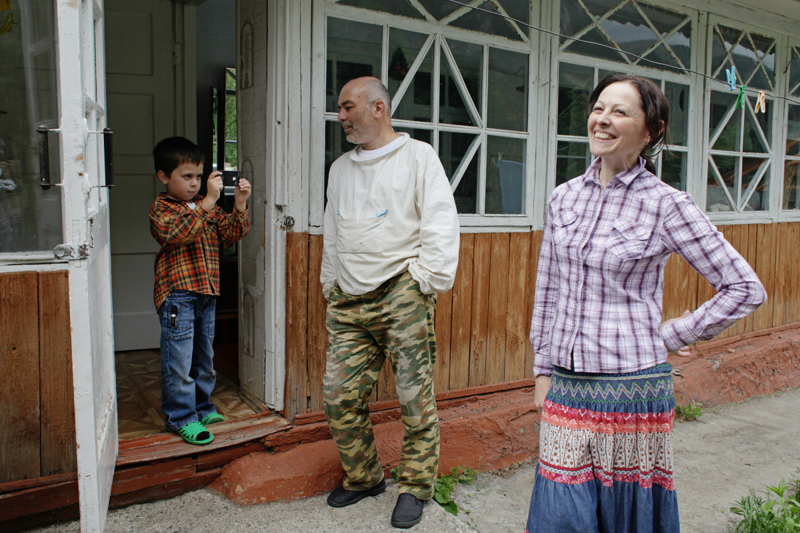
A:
{"x":189,"y":229}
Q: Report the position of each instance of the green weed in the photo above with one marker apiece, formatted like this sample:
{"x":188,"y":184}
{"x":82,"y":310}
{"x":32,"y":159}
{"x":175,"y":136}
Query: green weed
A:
{"x":778,"y":515}
{"x":689,"y":412}
{"x":445,"y":484}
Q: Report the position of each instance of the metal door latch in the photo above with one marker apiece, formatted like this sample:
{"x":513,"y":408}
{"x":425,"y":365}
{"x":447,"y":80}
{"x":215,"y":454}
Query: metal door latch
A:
{"x":71,"y":252}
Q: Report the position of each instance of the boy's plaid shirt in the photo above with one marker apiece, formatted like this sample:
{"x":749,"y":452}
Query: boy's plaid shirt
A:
{"x":189,"y":239}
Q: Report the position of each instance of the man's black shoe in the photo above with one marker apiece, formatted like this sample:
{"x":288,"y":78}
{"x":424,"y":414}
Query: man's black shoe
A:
{"x":407,"y":511}
{"x":342,"y":497}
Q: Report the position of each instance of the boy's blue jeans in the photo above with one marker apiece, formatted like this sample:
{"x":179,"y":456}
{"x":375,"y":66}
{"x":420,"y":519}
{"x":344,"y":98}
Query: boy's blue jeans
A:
{"x":187,"y":359}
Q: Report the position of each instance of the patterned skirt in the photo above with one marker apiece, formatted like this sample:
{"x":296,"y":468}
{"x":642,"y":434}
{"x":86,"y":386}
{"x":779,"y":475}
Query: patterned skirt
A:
{"x":605,"y":454}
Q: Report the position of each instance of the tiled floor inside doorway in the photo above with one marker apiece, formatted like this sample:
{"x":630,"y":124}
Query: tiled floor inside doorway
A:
{"x":139,"y":395}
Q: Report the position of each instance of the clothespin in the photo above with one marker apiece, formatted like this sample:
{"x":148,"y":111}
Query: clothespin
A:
{"x":761,"y":103}
{"x":731,"y":78}
{"x":740,"y":98}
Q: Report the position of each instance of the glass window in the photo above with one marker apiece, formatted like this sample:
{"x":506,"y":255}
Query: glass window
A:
{"x":657,"y":34}
{"x":30,"y":218}
{"x":740,"y":155}
{"x":752,"y":54}
{"x":468,"y":100}
{"x":791,"y":193}
{"x":354,"y":50}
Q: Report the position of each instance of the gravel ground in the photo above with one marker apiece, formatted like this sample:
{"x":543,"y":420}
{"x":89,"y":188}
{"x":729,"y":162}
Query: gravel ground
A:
{"x":731,"y":449}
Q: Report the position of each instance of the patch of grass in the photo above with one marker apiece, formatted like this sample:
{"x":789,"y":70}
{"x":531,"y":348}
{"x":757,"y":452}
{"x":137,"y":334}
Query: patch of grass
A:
{"x":689,"y":412}
{"x":445,"y":484}
{"x":778,"y":513}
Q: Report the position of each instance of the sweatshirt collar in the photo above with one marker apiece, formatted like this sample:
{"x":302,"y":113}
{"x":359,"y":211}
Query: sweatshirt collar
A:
{"x":355,"y":157}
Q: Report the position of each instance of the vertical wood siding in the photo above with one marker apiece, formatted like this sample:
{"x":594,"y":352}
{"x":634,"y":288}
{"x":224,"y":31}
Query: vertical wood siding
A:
{"x":36,"y":399}
{"x":482,"y":324}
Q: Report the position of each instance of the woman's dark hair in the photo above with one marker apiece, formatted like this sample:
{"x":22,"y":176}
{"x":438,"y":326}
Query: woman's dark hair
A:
{"x":655,"y":106}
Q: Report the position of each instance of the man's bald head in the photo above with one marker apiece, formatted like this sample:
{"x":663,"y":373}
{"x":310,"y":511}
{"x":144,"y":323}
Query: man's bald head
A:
{"x":365,"y":111}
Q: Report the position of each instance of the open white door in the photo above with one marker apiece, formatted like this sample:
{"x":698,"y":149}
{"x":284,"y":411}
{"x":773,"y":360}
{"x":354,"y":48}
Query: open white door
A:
{"x":82,"y":103}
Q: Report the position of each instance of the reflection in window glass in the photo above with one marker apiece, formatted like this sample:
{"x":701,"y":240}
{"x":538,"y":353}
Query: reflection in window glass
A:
{"x":335,"y":145}
{"x":678,"y":97}
{"x":793,"y":131}
{"x":790,"y":189}
{"x":453,"y":148}
{"x":730,"y":137}
{"x":572,"y":160}
{"x":404,"y":46}
{"x":751,"y":168}
{"x":757,"y":130}
{"x":417,"y":103}
{"x":508,"y":90}
{"x":794,"y":72}
{"x":505,"y":176}
{"x":716,"y":200}
{"x":452,"y":108}
{"x":439,"y":9}
{"x":30,"y":218}
{"x":629,"y":30}
{"x":574,"y":87}
{"x":673,"y":169}
{"x":354,"y":50}
{"x":753,"y":55}
{"x":469,"y":60}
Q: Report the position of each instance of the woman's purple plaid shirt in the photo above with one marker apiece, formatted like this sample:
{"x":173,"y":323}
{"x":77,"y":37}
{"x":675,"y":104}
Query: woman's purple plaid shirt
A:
{"x":600,"y":278}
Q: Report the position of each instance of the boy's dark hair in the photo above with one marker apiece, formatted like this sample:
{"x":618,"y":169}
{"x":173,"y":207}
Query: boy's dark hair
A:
{"x":174,"y":151}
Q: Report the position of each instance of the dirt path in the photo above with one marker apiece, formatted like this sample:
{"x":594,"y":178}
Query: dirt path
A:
{"x":733,"y":448}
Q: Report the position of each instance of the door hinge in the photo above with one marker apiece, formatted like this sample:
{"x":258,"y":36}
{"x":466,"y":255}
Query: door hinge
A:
{"x":71,"y":252}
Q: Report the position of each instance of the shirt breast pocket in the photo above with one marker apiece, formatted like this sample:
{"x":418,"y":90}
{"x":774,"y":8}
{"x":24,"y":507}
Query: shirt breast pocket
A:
{"x":360,"y":232}
{"x":628,"y":239}
{"x":563,"y":226}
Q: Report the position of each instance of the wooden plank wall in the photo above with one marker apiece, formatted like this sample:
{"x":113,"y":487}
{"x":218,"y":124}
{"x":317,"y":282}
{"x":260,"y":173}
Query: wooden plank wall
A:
{"x":482,"y":324}
{"x":36,"y":401}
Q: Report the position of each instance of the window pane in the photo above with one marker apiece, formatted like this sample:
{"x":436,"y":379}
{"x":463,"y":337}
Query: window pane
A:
{"x":354,"y":50}
{"x":716,"y":201}
{"x":752,"y":140}
{"x":673,"y":169}
{"x":425,"y":136}
{"x":453,"y":148}
{"x":794,"y":72}
{"x":485,"y":23}
{"x":665,"y":20}
{"x":469,"y":59}
{"x":591,"y":50}
{"x":746,"y":56}
{"x":572,"y":18}
{"x":508,"y":90}
{"x":790,"y":189}
{"x":395,"y":7}
{"x":572,"y":160}
{"x":519,"y":10}
{"x":793,"y":131}
{"x":751,"y":167}
{"x":730,"y":138}
{"x":30,"y":218}
{"x":452,"y":106}
{"x":439,"y":9}
{"x":404,"y":46}
{"x":678,"y":97}
{"x":417,"y":103}
{"x":505,"y":177}
{"x":629,"y":30}
{"x":574,"y":87}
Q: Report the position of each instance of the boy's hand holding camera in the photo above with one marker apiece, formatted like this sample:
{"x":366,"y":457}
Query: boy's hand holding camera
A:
{"x":214,"y":187}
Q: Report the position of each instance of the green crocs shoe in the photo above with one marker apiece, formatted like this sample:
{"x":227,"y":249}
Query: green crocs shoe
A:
{"x":212,"y":418}
{"x":195,"y":433}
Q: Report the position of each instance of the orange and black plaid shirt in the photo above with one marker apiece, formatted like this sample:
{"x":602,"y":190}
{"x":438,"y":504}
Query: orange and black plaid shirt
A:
{"x":189,"y":239}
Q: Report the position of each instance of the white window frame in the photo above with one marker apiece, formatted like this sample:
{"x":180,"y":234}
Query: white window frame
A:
{"x":778,"y":133}
{"x":531,"y":46}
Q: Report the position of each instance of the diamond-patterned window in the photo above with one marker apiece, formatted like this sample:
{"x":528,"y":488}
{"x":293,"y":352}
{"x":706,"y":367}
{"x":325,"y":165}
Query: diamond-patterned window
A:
{"x":575,"y":84}
{"x":466,"y":17}
{"x":652,"y":32}
{"x":740,"y":155}
{"x":468,"y":100}
{"x":751,"y":53}
{"x":791,"y":164}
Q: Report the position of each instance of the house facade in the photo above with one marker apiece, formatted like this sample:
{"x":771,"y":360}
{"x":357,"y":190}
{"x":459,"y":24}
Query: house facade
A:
{"x":499,"y":88}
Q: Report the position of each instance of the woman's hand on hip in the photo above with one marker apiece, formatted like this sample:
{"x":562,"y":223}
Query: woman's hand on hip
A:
{"x":540,"y":392}
{"x":683,"y":352}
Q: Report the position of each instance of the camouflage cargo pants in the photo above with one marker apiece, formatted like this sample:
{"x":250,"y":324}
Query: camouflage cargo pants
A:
{"x":394,"y":321}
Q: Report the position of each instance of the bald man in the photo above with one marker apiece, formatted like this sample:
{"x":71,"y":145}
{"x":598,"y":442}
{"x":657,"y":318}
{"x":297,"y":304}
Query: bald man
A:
{"x":391,"y":243}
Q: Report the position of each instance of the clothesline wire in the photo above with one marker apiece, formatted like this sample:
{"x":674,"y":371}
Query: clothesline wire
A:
{"x":618,"y":50}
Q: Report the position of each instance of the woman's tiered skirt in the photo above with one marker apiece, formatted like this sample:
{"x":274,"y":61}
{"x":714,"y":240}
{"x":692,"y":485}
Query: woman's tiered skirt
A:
{"x":605,"y":454}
